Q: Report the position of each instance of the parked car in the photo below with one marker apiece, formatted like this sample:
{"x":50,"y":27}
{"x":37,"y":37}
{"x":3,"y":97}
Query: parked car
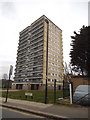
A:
{"x":82,"y":95}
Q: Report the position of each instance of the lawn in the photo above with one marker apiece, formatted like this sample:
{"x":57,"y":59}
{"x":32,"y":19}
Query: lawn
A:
{"x":38,"y":96}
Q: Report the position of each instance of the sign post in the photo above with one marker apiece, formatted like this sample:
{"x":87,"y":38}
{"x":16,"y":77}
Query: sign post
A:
{"x":10,"y":73}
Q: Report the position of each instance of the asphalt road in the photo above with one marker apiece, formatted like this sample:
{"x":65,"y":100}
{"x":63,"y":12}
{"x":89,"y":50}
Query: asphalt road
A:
{"x":10,"y":113}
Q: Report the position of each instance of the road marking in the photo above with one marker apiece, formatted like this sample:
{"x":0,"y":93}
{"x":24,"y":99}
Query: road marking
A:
{"x":27,"y":114}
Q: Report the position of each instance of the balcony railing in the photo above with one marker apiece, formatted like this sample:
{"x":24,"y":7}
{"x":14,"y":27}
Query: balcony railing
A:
{"x":36,"y":71}
{"x":37,"y":37}
{"x":36,"y":51}
{"x":36,"y":60}
{"x":37,"y":46}
{"x":23,"y":37}
{"x":38,"y":32}
{"x":37,"y":29}
{"x":24,"y":33}
{"x":39,"y":23}
{"x":34,"y":78}
{"x":33,"y":56}
{"x":37,"y":40}
{"x":21,"y":52}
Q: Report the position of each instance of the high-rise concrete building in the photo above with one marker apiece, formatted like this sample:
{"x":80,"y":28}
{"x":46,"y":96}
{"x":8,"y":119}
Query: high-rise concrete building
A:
{"x":39,"y":55}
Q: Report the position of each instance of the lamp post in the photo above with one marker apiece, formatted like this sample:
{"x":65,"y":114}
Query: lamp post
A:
{"x":54,"y":91}
{"x":46,"y":63}
{"x":10,"y":73}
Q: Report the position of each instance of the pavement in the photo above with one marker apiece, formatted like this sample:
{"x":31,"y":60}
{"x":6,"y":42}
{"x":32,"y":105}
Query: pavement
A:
{"x":47,"y":110}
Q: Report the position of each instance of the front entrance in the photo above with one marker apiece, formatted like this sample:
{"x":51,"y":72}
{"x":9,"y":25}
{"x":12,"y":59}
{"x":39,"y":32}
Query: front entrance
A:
{"x":19,"y":86}
{"x":32,"y":86}
{"x":37,"y":87}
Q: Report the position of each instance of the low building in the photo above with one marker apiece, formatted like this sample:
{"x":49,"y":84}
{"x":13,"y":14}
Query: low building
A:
{"x":3,"y":83}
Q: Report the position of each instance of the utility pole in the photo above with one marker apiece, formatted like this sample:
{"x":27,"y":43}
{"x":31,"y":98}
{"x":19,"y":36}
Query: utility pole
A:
{"x":10,"y":73}
{"x":46,"y":62}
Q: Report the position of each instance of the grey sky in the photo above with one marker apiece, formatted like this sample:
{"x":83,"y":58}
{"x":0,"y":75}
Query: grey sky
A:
{"x":7,"y":9}
{"x":15,"y":15}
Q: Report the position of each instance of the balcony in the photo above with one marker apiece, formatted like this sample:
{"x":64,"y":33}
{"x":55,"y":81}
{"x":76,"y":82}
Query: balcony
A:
{"x":37,"y":37}
{"x":37,"y":46}
{"x":38,"y":29}
{"x":35,"y":60}
{"x":20,"y":52}
{"x":32,"y":79}
{"x":34,"y":56}
{"x":37,"y":65}
{"x":39,"y":23}
{"x":38,"y":32}
{"x":38,"y":71}
{"x":37,"y":51}
{"x":24,"y":33}
{"x":23,"y":38}
{"x":21,"y":61}
{"x":22,"y":48}
{"x":40,"y":65}
{"x":37,"y":40}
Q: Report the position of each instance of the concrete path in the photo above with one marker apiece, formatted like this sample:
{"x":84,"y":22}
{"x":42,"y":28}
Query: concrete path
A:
{"x":48,"y":110}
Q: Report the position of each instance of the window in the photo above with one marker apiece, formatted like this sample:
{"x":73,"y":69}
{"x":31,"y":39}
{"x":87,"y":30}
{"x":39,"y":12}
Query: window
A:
{"x":49,"y":80}
{"x":52,"y":63}
{"x":52,"y":80}
{"x":53,"y":74}
{"x":49,"y":74}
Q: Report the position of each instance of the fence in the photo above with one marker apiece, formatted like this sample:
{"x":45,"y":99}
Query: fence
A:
{"x":66,"y":92}
{"x":39,"y":95}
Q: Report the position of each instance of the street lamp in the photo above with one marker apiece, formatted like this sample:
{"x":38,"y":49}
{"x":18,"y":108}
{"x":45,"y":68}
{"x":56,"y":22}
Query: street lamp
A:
{"x":54,"y":91}
{"x":46,"y":63}
{"x":10,"y":73}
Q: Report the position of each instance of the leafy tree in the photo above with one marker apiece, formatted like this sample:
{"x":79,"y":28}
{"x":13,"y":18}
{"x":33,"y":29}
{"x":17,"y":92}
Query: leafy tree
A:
{"x":80,"y":51}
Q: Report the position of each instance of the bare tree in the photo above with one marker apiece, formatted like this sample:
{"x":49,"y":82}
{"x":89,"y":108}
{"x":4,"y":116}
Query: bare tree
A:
{"x":4,"y":80}
{"x":5,"y":76}
{"x":67,"y":72}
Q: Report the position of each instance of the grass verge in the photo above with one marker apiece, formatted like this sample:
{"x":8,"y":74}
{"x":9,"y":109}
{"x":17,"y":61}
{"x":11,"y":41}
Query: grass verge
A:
{"x":38,"y":96}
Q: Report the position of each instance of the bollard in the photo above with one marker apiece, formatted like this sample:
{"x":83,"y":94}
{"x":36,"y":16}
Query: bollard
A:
{"x":70,"y":86}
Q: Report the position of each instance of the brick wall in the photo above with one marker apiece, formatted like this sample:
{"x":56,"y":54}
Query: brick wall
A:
{"x":79,"y":81}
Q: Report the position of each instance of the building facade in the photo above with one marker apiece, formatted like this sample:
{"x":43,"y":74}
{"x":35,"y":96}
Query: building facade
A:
{"x":39,"y":55}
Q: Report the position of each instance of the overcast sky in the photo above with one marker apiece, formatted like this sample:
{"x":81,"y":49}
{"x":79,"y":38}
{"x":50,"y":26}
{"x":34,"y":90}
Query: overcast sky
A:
{"x":15,"y":15}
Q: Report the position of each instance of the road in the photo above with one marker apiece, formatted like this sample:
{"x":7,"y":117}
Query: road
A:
{"x":10,"y":113}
